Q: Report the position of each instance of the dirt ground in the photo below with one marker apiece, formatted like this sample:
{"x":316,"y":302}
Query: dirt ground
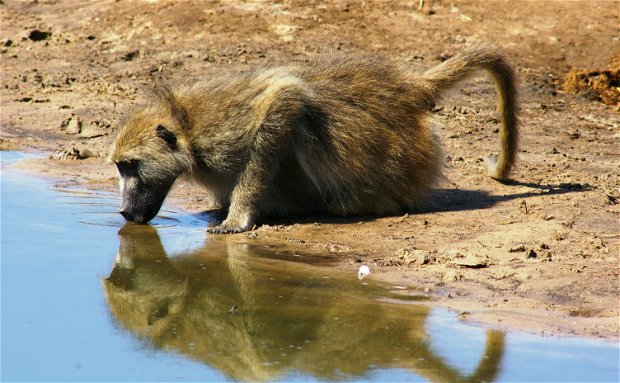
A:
{"x":539,"y":254}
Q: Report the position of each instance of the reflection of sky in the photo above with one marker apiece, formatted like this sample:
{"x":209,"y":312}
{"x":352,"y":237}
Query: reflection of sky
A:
{"x":526,"y":357}
{"x":180,"y":233}
{"x":560,"y":360}
{"x":56,"y":247}
{"x":460,"y":346}
{"x":55,"y":323}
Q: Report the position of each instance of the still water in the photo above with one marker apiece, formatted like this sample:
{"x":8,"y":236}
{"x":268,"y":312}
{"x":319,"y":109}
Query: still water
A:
{"x":87,"y":298}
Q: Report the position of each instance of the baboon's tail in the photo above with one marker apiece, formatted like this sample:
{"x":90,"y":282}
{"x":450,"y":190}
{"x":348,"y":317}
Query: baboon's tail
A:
{"x":468,"y":61}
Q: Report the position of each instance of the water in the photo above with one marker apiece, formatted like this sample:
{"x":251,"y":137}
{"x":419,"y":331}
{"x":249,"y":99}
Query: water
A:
{"x":87,"y":298}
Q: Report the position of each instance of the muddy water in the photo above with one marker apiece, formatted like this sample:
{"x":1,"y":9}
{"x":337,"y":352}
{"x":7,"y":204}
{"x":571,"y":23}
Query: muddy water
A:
{"x":86,"y":297}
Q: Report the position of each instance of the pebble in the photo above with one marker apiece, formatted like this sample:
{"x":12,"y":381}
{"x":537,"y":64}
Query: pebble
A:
{"x":37,"y":35}
{"x":72,"y":154}
{"x":530,"y":254}
{"x":472,"y":262}
{"x":72,"y":125}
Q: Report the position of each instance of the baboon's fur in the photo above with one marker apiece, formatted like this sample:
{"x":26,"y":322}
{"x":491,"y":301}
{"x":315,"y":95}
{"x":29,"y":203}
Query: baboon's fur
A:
{"x":343,"y":136}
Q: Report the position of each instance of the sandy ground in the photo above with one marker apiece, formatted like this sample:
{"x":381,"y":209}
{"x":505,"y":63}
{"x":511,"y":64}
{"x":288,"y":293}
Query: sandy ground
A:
{"x":539,"y":254}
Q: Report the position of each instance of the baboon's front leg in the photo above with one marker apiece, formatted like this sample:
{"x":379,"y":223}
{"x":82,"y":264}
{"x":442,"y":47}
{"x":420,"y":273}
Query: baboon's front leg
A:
{"x":280,"y":110}
{"x":247,"y":194}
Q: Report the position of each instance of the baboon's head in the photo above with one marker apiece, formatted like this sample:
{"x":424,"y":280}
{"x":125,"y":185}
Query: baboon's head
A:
{"x":150,"y":151}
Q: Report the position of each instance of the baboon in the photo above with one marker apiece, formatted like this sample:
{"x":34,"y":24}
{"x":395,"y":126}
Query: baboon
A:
{"x":342,"y":136}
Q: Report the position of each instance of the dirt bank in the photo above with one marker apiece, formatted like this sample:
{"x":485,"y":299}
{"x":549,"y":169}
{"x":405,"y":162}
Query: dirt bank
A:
{"x":540,"y":254}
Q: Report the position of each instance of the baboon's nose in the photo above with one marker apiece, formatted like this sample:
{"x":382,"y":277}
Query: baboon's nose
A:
{"x":127,"y":215}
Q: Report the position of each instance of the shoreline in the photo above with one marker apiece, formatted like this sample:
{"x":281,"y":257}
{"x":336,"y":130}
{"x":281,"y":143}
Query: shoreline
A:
{"x":471,"y":302}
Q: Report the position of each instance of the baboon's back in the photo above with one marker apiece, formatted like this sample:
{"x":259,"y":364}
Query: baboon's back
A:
{"x":369,"y":148}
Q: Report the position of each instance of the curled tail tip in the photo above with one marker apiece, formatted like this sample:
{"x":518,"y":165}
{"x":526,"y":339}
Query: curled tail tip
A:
{"x":497,"y":171}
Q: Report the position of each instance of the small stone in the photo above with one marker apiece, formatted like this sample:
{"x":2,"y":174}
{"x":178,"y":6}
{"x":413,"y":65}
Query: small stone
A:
{"x":574,"y":135}
{"x":444,"y":56}
{"x":87,"y":153}
{"x":472,"y":261}
{"x":530,"y":254}
{"x":517,"y":249}
{"x":72,"y":125}
{"x":130,"y":55}
{"x":72,"y":154}
{"x":452,"y":276}
{"x":37,"y":35}
{"x":91,"y":131}
{"x":463,"y":314}
{"x":408,"y":256}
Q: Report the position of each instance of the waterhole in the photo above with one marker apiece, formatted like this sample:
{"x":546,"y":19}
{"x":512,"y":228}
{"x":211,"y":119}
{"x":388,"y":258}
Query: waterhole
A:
{"x":86,"y":297}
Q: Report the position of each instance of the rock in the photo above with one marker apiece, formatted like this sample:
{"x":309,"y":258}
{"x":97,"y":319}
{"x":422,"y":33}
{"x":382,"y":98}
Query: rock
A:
{"x":72,"y":125}
{"x":423,"y":257}
{"x":471,"y":261}
{"x":444,"y":56}
{"x":463,"y":315}
{"x":574,"y":135}
{"x":130,"y":55}
{"x":72,"y":154}
{"x":452,"y":276}
{"x":408,"y":256}
{"x":37,"y":35}
{"x":503,"y":273}
{"x":517,"y":249}
{"x":530,"y":254}
{"x":93,"y":130}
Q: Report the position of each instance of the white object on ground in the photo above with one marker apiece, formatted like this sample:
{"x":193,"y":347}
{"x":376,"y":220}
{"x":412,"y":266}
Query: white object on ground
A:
{"x":363,"y":271}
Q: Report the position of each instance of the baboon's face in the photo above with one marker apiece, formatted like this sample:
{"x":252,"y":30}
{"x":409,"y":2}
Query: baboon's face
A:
{"x":150,"y":152}
{"x":142,"y":196}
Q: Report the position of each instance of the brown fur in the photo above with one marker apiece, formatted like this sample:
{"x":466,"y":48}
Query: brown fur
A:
{"x":343,"y":136}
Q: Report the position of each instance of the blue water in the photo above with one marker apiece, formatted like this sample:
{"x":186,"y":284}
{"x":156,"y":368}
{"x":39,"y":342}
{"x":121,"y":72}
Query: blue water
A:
{"x":58,"y":324}
{"x":55,"y":323}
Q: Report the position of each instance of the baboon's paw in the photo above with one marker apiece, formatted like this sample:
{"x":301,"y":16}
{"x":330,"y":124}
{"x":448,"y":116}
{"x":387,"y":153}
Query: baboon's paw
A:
{"x":226,"y":229}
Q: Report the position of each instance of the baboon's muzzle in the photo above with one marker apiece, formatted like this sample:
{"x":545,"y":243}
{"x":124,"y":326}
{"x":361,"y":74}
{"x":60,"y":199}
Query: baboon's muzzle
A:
{"x":138,"y":216}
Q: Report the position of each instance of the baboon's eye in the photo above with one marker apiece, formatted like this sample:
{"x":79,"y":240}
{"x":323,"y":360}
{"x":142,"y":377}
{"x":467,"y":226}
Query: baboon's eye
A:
{"x":167,"y":136}
{"x":126,"y":167}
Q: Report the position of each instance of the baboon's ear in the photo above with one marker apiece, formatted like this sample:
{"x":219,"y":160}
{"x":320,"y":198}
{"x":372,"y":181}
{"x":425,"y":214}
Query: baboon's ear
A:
{"x":167,"y":136}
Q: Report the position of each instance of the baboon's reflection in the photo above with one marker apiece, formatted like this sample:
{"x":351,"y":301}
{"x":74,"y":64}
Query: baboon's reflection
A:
{"x":288,"y":316}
